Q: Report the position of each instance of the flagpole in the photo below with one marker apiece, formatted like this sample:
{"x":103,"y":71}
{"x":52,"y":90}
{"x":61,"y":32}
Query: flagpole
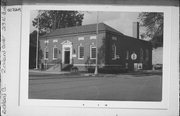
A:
{"x":96,"y":68}
{"x":37,"y":42}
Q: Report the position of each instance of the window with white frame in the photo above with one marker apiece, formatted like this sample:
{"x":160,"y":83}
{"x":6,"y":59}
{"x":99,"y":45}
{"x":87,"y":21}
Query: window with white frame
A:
{"x":80,"y":52}
{"x":92,"y":51}
{"x":113,"y":52}
{"x":46,"y":54}
{"x":55,"y":53}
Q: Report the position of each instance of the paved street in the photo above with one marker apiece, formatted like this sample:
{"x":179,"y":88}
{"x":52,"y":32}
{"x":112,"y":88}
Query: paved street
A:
{"x":125,"y":87}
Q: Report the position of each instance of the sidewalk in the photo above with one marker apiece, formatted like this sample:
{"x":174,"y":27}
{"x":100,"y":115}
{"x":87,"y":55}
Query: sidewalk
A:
{"x":38,"y":74}
{"x":47,"y":72}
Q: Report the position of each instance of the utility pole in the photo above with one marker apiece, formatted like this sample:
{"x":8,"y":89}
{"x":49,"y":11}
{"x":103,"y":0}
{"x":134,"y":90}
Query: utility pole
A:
{"x":97,"y":28}
{"x":37,"y":42}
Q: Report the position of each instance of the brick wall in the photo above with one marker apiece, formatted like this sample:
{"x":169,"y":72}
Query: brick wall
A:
{"x":86,"y":42}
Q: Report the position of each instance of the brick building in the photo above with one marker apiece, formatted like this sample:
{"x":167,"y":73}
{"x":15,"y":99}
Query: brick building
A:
{"x":76,"y":46}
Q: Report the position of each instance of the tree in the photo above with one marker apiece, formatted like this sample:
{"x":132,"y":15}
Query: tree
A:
{"x":32,"y":50}
{"x":154,"y":27}
{"x":52,"y":19}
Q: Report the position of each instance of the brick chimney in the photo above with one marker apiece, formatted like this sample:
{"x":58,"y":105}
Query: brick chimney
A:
{"x":136,"y":30}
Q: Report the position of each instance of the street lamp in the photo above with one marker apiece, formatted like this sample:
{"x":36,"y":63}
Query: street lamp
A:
{"x":96,"y":68}
{"x":37,"y":41}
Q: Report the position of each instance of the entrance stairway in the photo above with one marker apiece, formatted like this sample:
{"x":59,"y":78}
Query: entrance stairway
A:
{"x":54,"y":68}
{"x":60,"y":67}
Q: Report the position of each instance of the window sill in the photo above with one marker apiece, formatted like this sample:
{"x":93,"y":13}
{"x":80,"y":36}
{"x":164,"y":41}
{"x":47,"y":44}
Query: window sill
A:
{"x":93,"y":58}
{"x":80,"y":58}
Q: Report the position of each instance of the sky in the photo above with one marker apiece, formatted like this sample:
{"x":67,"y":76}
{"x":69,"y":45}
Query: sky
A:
{"x":121,"y":21}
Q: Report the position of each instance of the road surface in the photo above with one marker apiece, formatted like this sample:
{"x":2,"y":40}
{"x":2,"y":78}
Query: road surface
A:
{"x":123,"y":87}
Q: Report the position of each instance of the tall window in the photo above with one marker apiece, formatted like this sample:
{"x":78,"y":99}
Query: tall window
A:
{"x":93,"y":52}
{"x":127,"y":54}
{"x":141,"y":54}
{"x":147,"y":54}
{"x":80,"y":52}
{"x":55,"y":53}
{"x":46,"y":54}
{"x":113,"y":52}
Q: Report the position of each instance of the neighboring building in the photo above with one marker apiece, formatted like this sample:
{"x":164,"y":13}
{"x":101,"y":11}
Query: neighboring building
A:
{"x":76,"y":46}
{"x":157,"y":54}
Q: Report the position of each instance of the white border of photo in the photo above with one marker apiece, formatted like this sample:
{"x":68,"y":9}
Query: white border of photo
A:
{"x":54,"y":107}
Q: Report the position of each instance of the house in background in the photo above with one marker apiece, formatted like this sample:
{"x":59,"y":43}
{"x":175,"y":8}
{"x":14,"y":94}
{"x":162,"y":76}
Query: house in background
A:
{"x":157,"y":54}
{"x":157,"y":58}
{"x":76,"y":46}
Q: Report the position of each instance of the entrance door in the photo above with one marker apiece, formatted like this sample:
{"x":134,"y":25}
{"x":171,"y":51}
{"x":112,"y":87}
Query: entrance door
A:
{"x":67,"y":57}
{"x":66,"y":52}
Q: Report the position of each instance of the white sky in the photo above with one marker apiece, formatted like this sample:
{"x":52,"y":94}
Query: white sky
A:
{"x":121,"y":21}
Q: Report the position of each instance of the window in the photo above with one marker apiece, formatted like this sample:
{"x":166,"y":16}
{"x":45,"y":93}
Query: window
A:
{"x":46,"y":54}
{"x":140,"y":66}
{"x":141,"y":54}
{"x":127,"y":55}
{"x":93,"y":52}
{"x":113,"y":52}
{"x":80,"y":52}
{"x":147,"y":54}
{"x":55,"y":53}
{"x":126,"y":65}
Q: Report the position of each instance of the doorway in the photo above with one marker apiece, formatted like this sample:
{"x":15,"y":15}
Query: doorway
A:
{"x":67,"y":57}
{"x":66,"y":52}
